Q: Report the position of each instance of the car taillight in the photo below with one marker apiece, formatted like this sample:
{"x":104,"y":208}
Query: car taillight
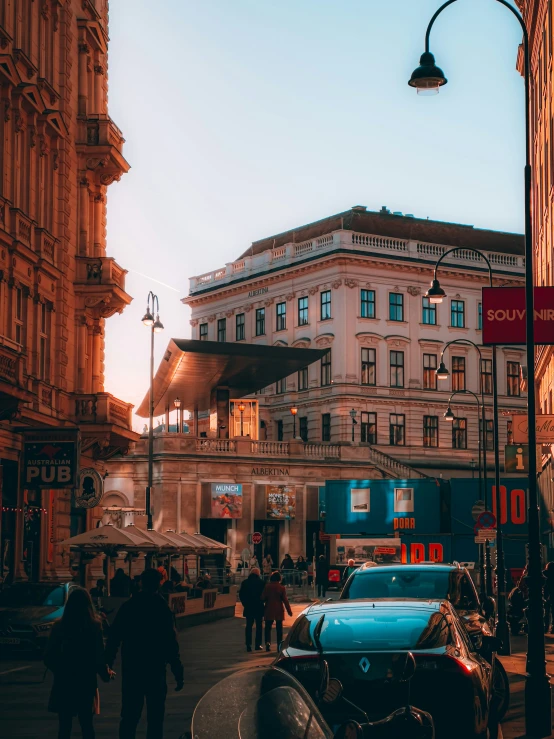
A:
{"x":334,"y":576}
{"x":446,"y":663}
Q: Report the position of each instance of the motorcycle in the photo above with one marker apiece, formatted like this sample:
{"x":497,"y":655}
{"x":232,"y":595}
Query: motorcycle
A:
{"x":269,"y":703}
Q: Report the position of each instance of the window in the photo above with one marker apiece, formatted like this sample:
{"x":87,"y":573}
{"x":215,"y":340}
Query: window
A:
{"x":222,"y":329}
{"x":429,"y":372}
{"x":369,"y":428}
{"x":239,"y":327}
{"x":368,"y":303}
{"x":303,"y":379}
{"x":510,"y":432}
{"x":457,"y":314}
{"x":459,"y":433}
{"x":513,"y":381}
{"x":260,"y":321}
{"x":44,"y":340}
{"x":396,"y":306}
{"x":325,"y":305}
{"x":486,"y":376}
{"x":326,"y":369}
{"x":303,"y":311}
{"x":19,"y":314}
{"x":203,"y":332}
{"x":281,"y":386}
{"x":279,"y":430}
{"x":326,"y":427}
{"x":479,"y":316}
{"x":430,"y":431}
{"x":458,"y":373}
{"x":397,"y":369}
{"x":489,"y":434}
{"x":396,"y":429}
{"x":368,"y":366}
{"x":429,"y":312}
{"x":403,"y":500}
{"x":303,"y":427}
{"x":281,"y":322}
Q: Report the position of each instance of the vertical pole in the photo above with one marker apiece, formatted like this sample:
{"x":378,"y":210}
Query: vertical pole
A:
{"x":150,"y":435}
{"x":485,"y":571}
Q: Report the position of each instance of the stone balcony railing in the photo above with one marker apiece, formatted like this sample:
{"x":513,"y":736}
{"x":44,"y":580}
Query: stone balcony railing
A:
{"x":103,"y":408}
{"x":102,"y":131}
{"x":100,"y":271}
{"x":243,"y":447}
{"x":289,"y":254}
{"x":11,"y":362}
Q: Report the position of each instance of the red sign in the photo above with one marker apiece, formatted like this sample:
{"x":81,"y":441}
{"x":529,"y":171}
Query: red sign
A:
{"x":504,"y":315}
{"x":256,"y":538}
{"x":486,"y":520}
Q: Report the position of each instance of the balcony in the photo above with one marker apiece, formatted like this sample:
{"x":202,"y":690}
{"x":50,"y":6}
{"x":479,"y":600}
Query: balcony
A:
{"x":101,"y":148}
{"x":372,"y":245}
{"x":105,"y":423}
{"x":100,"y":281}
{"x":12,"y":389}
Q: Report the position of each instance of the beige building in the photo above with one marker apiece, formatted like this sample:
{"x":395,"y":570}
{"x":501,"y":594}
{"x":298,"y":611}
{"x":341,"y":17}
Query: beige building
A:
{"x":352,"y":286}
{"x":59,"y":152}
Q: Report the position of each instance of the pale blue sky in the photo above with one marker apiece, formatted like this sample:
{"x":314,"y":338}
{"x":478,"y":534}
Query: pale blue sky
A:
{"x":244,"y":118}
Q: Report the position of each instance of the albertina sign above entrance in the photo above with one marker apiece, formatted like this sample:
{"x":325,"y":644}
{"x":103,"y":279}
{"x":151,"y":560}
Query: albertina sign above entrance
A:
{"x":504,"y":315}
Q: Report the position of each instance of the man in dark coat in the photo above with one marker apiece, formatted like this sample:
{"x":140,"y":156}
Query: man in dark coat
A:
{"x":250,"y":595}
{"x":144,"y":626}
{"x":321,"y":576}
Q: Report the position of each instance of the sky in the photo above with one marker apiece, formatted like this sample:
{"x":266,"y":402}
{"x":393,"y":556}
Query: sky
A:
{"x":244,"y":118}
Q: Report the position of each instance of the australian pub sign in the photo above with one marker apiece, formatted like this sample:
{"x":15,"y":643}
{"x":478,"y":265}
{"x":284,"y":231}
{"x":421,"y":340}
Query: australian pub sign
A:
{"x":50,"y":461}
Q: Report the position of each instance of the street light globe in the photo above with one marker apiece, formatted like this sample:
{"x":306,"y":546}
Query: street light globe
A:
{"x":177,"y":402}
{"x":442,"y":372}
{"x":294,"y":410}
{"x":148,"y":318}
{"x":435,"y":293}
{"x":241,"y":407}
{"x":427,"y":78}
{"x":158,"y":325}
{"x":449,"y":416}
{"x":353,"y":413}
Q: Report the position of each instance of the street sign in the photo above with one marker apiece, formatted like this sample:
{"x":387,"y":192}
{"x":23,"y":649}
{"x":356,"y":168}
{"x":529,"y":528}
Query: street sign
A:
{"x":256,"y":538}
{"x":487,"y":520}
{"x":478,"y":508}
{"x":504,"y":315}
{"x":544,"y":427}
{"x":484,"y":535}
{"x":516,"y":458}
{"x":249,"y":539}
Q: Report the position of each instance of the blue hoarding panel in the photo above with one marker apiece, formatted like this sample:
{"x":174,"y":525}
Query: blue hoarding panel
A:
{"x":513,"y":505}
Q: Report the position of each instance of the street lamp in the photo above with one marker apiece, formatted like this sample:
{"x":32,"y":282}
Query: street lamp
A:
{"x":241,"y":408}
{"x":538,"y":699}
{"x":177,"y":404}
{"x":155,"y":325}
{"x":353,"y":414}
{"x":294,"y":411}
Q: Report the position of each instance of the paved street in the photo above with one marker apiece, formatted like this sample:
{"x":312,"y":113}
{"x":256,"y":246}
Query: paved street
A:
{"x":210,"y":652}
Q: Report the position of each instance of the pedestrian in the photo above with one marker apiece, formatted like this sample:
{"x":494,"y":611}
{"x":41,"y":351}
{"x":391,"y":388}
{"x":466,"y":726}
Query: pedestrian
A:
{"x":163,"y":573}
{"x":275,"y":600}
{"x":204,"y":581}
{"x":144,"y":628}
{"x":99,"y":590}
{"x":267,"y":566}
{"x":254,"y":561}
{"x":120,"y":584}
{"x":549,"y":598}
{"x":349,"y":569}
{"x":301,"y":564}
{"x":321,"y":576}
{"x":250,"y":595}
{"x":287,"y":566}
{"x":75,"y":654}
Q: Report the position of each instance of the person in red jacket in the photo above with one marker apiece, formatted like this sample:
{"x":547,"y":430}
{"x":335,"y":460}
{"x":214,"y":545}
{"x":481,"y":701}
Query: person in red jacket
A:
{"x":275,"y":599}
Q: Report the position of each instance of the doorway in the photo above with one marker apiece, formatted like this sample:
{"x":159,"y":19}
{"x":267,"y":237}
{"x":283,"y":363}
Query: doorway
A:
{"x":214,"y":528}
{"x":270,"y":541}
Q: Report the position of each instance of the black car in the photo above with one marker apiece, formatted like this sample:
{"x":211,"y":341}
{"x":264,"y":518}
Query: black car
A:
{"x":360,"y":641}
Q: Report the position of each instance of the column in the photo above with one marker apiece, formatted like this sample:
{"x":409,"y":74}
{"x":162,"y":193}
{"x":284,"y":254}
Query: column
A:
{"x":83,"y":216}
{"x":96,"y":359}
{"x":98,"y":213}
{"x":83,"y":86}
{"x":98,"y":87}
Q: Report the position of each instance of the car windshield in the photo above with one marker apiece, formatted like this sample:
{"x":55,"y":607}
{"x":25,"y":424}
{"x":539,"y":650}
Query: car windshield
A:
{"x":21,"y":595}
{"x":384,"y":629}
{"x":422,"y":584}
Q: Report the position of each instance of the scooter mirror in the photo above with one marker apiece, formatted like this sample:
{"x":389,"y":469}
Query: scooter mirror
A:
{"x":403,"y":667}
{"x":333,"y":692}
{"x":324,"y":681}
{"x":350,"y":730}
{"x":489,"y":607}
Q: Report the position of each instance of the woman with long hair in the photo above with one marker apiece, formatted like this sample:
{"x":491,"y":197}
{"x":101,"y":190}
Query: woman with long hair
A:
{"x":275,"y":598}
{"x":75,"y":655}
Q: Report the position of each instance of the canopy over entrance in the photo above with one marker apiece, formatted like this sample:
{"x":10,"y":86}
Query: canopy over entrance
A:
{"x":191,"y":370}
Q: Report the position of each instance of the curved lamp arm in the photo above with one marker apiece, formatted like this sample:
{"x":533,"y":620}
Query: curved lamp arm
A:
{"x":462,"y":392}
{"x":464,"y":248}
{"x":461,"y":341}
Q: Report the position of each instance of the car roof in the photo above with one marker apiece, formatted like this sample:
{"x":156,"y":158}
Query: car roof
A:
{"x":397,"y":565}
{"x":383,"y":604}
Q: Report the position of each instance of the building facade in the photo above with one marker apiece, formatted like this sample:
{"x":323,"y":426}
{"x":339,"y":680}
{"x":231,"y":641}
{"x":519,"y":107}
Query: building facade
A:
{"x":352,"y":285}
{"x":59,"y":152}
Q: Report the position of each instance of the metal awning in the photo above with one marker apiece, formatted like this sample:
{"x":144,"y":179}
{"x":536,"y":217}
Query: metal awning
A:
{"x":190,"y":370}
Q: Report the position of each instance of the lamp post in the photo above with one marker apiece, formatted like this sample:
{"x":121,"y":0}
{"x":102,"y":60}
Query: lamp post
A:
{"x":472,"y":464}
{"x":241,"y":408}
{"x":353,"y":414}
{"x":538,"y":699}
{"x":294,"y":411}
{"x":152,"y":308}
{"x":177,"y":404}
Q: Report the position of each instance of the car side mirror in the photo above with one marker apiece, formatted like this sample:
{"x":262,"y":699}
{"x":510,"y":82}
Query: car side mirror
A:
{"x":333,"y":692}
{"x":350,"y":730}
{"x":489,"y":607}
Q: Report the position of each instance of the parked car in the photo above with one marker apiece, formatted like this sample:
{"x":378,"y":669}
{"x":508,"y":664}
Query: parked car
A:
{"x":452,"y":681}
{"x":28,"y":611}
{"x":450,"y":582}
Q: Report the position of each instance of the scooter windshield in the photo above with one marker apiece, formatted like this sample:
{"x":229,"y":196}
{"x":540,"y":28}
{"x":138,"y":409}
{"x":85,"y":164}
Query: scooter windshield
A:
{"x":259,"y":703}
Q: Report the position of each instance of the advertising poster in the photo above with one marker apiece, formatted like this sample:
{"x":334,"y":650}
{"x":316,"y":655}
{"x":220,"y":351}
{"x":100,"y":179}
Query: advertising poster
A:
{"x":359,"y":500}
{"x":280,"y":501}
{"x":226,"y":500}
{"x":368,"y":550}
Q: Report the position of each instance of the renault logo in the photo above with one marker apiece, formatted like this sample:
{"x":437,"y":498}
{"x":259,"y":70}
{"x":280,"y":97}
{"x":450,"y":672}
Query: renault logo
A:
{"x":364,"y":664}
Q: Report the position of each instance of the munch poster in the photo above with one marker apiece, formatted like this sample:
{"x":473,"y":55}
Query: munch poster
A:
{"x":226,"y":500}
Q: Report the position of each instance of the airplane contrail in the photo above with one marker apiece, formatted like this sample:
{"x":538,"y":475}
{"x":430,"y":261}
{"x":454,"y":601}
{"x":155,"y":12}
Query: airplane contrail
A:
{"x":148,"y":277}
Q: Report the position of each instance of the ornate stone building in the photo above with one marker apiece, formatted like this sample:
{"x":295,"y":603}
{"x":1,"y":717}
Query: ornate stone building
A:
{"x":59,"y":152}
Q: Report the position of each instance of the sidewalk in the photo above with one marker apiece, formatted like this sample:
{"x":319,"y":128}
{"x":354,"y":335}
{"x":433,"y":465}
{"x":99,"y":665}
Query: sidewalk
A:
{"x":514,"y":724}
